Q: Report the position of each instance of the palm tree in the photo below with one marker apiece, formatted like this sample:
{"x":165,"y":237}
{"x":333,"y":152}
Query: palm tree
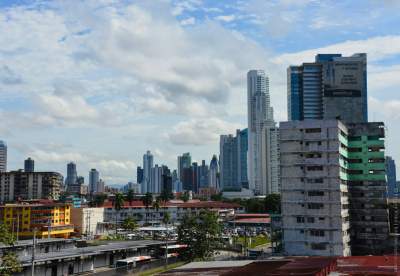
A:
{"x":147,"y":199}
{"x":130,"y":224}
{"x":156,"y":205}
{"x":118,"y":204}
{"x":130,"y":196}
{"x":166,"y":220}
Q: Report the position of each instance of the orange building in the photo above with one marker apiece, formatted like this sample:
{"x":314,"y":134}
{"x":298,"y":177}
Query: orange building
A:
{"x":47,"y":217}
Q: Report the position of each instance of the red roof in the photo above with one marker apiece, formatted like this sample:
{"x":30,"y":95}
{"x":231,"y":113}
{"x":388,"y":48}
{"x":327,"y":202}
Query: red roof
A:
{"x":252,"y":215}
{"x":368,"y":265}
{"x":189,"y":204}
{"x":252,"y":220}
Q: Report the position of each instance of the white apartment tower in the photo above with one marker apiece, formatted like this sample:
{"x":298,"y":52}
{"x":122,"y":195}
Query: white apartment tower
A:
{"x":260,"y":116}
{"x":315,"y":214}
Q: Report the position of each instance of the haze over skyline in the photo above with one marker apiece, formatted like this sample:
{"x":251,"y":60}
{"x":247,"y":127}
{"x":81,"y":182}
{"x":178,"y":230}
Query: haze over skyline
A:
{"x":101,"y":82}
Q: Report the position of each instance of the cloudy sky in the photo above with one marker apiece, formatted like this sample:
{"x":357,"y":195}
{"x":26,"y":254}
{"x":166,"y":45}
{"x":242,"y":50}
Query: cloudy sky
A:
{"x":99,"y":82}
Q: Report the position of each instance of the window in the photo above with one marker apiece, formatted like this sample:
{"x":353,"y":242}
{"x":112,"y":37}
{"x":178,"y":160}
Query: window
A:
{"x":300,"y":219}
{"x":321,"y":218}
{"x":301,"y":231}
{"x":313,"y":130}
{"x":354,"y":149}
{"x":315,"y":180}
{"x":317,"y":233}
{"x":315,"y":206}
{"x":315,"y":168}
{"x":318,"y":246}
{"x":315,"y":193}
{"x":310,"y":220}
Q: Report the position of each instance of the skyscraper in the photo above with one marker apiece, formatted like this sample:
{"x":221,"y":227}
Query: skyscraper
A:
{"x":228,"y":160}
{"x":203,"y":175}
{"x":3,"y":156}
{"x":71,"y":174}
{"x":213,"y":175}
{"x":332,"y":87}
{"x":270,"y":160}
{"x":139,"y":175}
{"x":184,"y":161}
{"x":94,"y":178}
{"x":391,"y":177}
{"x":29,"y":165}
{"x":147,"y":165}
{"x":260,"y":115}
{"x":242,"y":149}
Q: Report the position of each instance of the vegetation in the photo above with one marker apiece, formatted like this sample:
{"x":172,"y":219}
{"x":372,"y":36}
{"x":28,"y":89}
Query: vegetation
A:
{"x":158,"y":270}
{"x":147,"y":200}
{"x":130,"y":196}
{"x":130,"y":224}
{"x":118,"y":203}
{"x":166,"y":218}
{"x":9,"y":263}
{"x":166,"y":195}
{"x":184,"y":196}
{"x":98,"y":200}
{"x":273,"y":203}
{"x":253,"y":242}
{"x":202,"y":234}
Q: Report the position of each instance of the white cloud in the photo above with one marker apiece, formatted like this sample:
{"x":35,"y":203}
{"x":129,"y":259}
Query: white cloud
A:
{"x":226,"y":18}
{"x":188,"y":21}
{"x":200,"y":132}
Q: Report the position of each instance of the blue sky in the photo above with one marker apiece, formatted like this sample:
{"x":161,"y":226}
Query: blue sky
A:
{"x":99,"y":82}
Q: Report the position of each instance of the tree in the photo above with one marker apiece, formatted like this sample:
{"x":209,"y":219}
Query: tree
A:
{"x":130,"y":224}
{"x":156,"y":205}
{"x":166,"y":218}
{"x":216,"y":197}
{"x":201,"y":233}
{"x":130,"y":196}
{"x":166,"y":195}
{"x":98,"y":200}
{"x":9,"y":264}
{"x":147,"y":200}
{"x":184,"y":196}
{"x":117,"y":204}
{"x":273,"y":203}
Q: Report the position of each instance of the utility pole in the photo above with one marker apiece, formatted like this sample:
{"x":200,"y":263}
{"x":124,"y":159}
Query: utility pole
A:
{"x":33,"y":252}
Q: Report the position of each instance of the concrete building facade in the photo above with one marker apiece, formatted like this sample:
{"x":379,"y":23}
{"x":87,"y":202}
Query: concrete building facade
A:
{"x":3,"y":156}
{"x":270,"y":160}
{"x":315,"y":204}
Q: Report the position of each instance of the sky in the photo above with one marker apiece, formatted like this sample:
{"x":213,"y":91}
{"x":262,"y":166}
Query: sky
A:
{"x":99,"y":82}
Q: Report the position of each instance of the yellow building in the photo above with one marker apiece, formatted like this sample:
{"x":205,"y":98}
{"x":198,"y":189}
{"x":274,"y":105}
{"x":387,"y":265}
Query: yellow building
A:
{"x":44,"y":216}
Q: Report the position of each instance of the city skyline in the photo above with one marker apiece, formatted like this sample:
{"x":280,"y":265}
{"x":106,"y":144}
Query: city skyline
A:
{"x":66,"y":99}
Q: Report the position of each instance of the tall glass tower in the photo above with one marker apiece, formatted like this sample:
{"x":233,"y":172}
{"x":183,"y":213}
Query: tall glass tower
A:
{"x":71,"y":174}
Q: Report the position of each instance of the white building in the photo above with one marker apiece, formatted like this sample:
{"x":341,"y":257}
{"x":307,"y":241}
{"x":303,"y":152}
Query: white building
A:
{"x":156,"y":179}
{"x":88,"y":221}
{"x":315,"y":215}
{"x":260,"y":116}
{"x":3,"y":156}
{"x":147,"y":165}
{"x":270,"y":160}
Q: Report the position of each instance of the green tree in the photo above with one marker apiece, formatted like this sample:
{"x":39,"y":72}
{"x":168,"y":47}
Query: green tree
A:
{"x":184,"y":196}
{"x":166,"y":218}
{"x":130,"y":196}
{"x":216,"y":197}
{"x":98,"y":200}
{"x":273,"y":203}
{"x":9,"y":263}
{"x":166,"y":195}
{"x":147,"y":200}
{"x":201,"y":233}
{"x":156,"y":206}
{"x":118,"y":203}
{"x":130,"y":224}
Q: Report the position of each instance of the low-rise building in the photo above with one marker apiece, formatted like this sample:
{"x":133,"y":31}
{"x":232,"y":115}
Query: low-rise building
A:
{"x":44,"y":217}
{"x":88,"y":221}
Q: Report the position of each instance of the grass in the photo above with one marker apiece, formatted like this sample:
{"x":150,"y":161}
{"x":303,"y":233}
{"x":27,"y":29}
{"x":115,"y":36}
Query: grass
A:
{"x":160,"y":269}
{"x":253,"y":242}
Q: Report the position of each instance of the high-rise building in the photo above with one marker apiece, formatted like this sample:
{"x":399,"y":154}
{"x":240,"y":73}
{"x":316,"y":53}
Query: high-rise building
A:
{"x":176,"y":182}
{"x":147,"y":165}
{"x":228,"y":160}
{"x":29,"y":165}
{"x":391,"y":177}
{"x":139,"y":175}
{"x":94,"y":177}
{"x":195,"y":177}
{"x":29,"y":185}
{"x":332,"y":87}
{"x":71,"y":174}
{"x":101,"y":186}
{"x":156,"y":179}
{"x":242,"y":150}
{"x":315,"y":204}
{"x":203,"y":175}
{"x":187,"y":179}
{"x":334,"y":172}
{"x":270,"y":160}
{"x":3,"y":156}
{"x":213,"y":174}
{"x":260,"y":116}
{"x":77,"y":187}
{"x":363,"y":162}
{"x":184,"y":161}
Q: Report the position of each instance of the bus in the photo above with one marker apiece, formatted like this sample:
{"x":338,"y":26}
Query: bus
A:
{"x":131,"y":262}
